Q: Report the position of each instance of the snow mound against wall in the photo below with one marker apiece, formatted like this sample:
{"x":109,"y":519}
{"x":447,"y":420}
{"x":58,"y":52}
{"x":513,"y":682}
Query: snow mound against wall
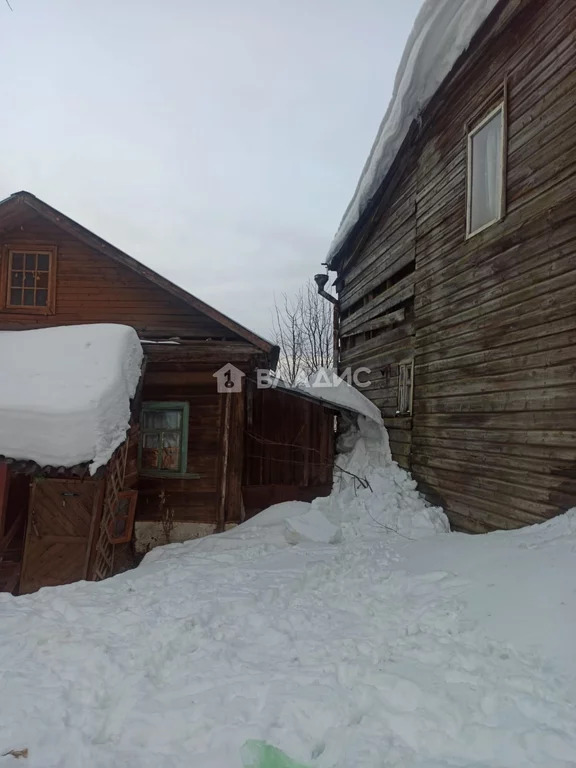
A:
{"x":442,"y":32}
{"x":371,"y":496}
{"x":65,"y":393}
{"x":372,"y":492}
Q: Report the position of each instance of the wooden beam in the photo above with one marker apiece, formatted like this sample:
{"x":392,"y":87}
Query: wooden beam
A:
{"x":227,"y":409}
{"x":392,"y":318}
{"x":4,"y":481}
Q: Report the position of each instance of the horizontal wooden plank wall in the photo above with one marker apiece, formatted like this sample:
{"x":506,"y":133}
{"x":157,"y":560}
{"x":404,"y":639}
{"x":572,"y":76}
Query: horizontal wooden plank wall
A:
{"x":192,"y":500}
{"x":92,"y":287}
{"x":493,"y":325}
{"x":494,"y":429}
{"x":377,"y":319}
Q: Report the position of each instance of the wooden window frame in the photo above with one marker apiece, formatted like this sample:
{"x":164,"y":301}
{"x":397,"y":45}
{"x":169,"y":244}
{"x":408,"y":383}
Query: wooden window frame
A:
{"x":471,"y":131}
{"x":7,"y":252}
{"x":132,"y":496}
{"x":166,"y":405}
{"x":409,"y":365}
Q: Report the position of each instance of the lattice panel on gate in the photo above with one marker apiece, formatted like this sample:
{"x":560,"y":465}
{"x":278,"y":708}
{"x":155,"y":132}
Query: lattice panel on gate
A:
{"x":104,"y":554}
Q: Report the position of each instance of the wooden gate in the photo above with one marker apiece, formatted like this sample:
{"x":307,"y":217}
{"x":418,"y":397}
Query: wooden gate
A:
{"x":59,"y":534}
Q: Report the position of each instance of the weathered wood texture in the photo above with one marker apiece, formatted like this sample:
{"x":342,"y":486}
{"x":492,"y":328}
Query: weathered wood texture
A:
{"x":59,"y":531}
{"x":289,"y":448}
{"x":377,"y":296}
{"x":493,"y":433}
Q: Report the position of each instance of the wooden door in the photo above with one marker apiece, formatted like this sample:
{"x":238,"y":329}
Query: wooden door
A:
{"x":59,"y":533}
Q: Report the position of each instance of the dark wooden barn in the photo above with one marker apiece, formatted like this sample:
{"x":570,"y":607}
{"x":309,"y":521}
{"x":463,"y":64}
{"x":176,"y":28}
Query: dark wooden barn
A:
{"x":198,"y":460}
{"x":457,"y":287}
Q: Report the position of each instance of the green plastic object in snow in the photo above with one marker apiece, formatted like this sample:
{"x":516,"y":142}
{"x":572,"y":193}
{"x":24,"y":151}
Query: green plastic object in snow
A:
{"x":258,"y":754}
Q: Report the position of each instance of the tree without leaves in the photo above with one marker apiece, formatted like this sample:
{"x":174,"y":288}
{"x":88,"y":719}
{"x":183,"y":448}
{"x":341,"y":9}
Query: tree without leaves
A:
{"x":303,"y":329}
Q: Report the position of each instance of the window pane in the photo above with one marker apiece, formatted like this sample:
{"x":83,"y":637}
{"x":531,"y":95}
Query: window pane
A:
{"x":29,"y":298}
{"x":170,"y":451}
{"x":17,"y":279}
{"x":29,"y":280}
{"x":30,"y":261}
{"x":44,"y":261}
{"x":41,"y":298}
{"x":486,"y":170}
{"x":16,"y":297}
{"x":42,"y":280}
{"x":162,"y":419}
{"x":150,"y":445}
{"x":17,"y":261}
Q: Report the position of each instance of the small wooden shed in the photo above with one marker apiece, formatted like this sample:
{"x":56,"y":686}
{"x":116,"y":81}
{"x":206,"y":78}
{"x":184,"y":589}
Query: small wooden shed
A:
{"x":58,"y":526}
{"x":69,"y":395}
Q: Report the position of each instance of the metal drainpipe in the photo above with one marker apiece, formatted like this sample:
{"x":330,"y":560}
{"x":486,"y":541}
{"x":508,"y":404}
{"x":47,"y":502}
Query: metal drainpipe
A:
{"x":321,"y":281}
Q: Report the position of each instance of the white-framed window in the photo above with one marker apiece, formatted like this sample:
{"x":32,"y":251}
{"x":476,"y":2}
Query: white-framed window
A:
{"x":486,"y":169}
{"x":405,"y":388}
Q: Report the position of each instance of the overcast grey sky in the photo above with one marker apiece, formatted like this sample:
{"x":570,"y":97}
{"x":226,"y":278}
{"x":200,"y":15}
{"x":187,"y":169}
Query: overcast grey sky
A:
{"x":217,"y":142}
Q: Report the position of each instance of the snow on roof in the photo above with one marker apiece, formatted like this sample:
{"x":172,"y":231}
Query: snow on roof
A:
{"x":65,"y":393}
{"x":442,"y":31}
{"x":325,"y":385}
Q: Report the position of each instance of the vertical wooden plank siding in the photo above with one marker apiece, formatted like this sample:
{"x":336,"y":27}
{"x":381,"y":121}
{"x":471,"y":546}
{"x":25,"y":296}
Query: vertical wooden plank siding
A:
{"x":289,"y":450}
{"x":4,"y":480}
{"x":493,"y":322}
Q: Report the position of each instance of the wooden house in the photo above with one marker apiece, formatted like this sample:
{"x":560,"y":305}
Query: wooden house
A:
{"x":457,"y":283}
{"x":198,"y":460}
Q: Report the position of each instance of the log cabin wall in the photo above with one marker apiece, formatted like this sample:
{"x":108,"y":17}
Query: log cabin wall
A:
{"x":493,"y":434}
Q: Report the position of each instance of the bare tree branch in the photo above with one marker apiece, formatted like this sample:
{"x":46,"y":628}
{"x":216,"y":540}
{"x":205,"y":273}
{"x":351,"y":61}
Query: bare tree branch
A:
{"x":303,"y":329}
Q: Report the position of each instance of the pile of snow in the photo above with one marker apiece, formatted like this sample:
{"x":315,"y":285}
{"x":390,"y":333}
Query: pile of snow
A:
{"x":442,"y":32}
{"x":421,"y":650}
{"x":65,"y":393}
{"x":312,"y":526}
{"x":325,"y":385}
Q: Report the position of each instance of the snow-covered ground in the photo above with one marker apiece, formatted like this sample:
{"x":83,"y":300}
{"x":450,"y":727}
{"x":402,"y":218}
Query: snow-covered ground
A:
{"x":396,"y":645}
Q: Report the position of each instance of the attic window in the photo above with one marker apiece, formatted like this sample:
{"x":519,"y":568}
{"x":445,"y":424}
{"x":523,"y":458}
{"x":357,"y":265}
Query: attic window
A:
{"x":486,"y":148}
{"x":28,"y":279}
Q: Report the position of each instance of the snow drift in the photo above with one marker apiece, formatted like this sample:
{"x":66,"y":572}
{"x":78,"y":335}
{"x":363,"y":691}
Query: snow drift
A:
{"x":376,"y":649}
{"x":65,"y":393}
{"x":442,"y":32}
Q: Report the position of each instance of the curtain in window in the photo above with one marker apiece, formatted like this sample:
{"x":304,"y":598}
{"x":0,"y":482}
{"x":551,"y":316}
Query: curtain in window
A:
{"x":486,"y":167}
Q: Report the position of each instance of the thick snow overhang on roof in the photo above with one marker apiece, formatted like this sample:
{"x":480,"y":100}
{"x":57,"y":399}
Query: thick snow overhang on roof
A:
{"x":65,"y":393}
{"x":325,"y":386}
{"x":443,"y":31}
{"x":11,"y":207}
